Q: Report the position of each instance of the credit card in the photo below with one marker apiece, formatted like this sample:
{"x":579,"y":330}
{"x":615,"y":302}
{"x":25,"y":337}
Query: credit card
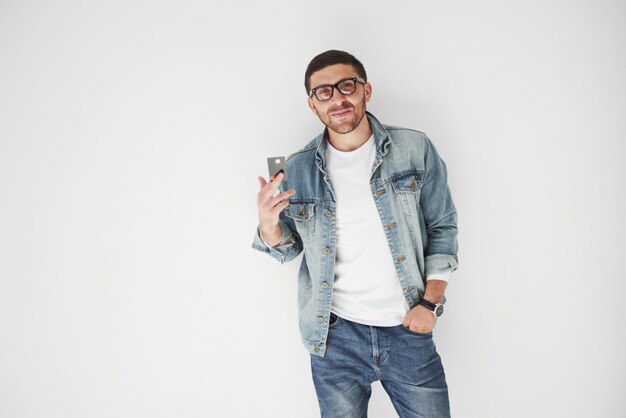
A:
{"x":275,"y":165}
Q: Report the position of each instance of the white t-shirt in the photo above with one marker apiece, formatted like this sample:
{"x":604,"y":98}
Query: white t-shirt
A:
{"x":366,"y":287}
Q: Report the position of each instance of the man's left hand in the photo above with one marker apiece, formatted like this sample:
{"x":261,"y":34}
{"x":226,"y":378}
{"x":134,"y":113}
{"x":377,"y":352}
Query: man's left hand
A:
{"x":420,"y":319}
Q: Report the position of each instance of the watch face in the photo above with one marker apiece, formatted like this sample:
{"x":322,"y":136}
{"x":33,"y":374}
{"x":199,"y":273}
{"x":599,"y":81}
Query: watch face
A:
{"x":439,"y":311}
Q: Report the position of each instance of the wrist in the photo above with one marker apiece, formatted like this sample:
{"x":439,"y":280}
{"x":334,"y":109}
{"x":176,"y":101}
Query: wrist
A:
{"x":434,"y":299}
{"x":271,"y":235}
{"x":436,"y":309}
{"x":434,"y":291}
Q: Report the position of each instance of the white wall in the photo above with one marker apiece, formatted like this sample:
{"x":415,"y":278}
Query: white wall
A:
{"x":131,"y":136}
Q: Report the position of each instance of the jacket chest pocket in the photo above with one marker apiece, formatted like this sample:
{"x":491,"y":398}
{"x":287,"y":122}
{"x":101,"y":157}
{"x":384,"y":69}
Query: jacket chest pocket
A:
{"x":303,"y":215}
{"x":407,"y":188}
{"x":407,"y":183}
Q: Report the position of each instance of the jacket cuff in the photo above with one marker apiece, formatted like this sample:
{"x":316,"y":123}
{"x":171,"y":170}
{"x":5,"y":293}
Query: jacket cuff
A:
{"x":278,"y":252}
{"x":440,"y":264}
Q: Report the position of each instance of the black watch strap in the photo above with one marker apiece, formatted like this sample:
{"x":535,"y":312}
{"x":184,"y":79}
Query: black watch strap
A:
{"x":428,"y":304}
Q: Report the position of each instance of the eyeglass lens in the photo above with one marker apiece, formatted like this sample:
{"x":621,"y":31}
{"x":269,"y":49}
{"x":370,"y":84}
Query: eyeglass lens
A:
{"x":345,"y":87}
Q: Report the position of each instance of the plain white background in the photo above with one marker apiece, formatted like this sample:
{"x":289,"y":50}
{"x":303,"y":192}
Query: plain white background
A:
{"x":131,"y":136}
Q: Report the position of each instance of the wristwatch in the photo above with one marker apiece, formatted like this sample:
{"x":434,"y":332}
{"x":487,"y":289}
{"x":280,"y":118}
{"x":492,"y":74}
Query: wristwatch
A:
{"x":436,"y":308}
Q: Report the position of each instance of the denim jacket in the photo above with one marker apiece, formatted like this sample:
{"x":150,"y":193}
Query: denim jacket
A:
{"x":409,"y":187}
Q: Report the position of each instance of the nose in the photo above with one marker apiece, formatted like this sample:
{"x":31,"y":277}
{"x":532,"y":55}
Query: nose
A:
{"x":338,"y":97}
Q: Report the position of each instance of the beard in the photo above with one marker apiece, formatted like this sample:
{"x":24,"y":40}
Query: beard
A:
{"x":346,"y":125}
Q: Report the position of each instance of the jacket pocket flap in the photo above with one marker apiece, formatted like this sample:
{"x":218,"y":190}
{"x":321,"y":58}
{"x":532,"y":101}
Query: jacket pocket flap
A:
{"x":408,"y":182}
{"x":301,"y":211}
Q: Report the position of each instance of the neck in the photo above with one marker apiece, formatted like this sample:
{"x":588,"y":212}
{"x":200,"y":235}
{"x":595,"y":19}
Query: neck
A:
{"x":352,"y":140}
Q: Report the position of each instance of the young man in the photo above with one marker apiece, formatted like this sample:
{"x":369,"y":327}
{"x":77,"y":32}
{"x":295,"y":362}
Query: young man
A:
{"x":370,"y":207}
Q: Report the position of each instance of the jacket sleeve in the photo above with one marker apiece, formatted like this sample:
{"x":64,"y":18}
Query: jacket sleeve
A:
{"x":290,"y":242}
{"x":440,"y":253}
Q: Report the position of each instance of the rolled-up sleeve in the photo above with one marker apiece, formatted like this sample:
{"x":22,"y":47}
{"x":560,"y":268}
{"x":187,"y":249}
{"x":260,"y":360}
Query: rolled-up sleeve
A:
{"x":437,"y":207}
{"x":290,"y":242}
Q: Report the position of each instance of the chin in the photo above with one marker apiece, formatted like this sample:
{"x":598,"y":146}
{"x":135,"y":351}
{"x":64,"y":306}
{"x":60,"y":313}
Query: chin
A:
{"x":343,"y":129}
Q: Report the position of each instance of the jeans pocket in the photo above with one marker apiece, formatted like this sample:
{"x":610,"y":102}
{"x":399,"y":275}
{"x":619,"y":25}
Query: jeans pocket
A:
{"x":419,"y":334}
{"x":334,"y":320}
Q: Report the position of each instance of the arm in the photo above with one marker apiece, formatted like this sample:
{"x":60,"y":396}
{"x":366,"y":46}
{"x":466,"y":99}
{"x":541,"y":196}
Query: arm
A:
{"x":440,"y":252}
{"x":439,"y":215}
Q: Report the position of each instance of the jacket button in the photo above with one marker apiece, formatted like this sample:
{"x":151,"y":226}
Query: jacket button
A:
{"x":329,"y":213}
{"x":391,"y":226}
{"x":320,"y":319}
{"x":316,"y":349}
{"x":400,"y":258}
{"x":324,"y":285}
{"x":327,"y":250}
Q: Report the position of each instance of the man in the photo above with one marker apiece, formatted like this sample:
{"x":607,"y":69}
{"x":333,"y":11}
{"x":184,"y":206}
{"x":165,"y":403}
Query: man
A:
{"x":369,"y":206}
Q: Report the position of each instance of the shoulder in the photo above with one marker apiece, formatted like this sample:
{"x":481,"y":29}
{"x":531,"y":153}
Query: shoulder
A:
{"x":305,"y":153}
{"x":410,"y":142}
{"x":406,"y":134}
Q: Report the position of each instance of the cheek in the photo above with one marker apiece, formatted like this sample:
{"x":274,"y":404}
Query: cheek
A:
{"x":320,"y":110}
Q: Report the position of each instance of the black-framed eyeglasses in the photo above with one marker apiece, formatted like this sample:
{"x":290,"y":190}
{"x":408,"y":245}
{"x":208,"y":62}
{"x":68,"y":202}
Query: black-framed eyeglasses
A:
{"x":346,"y":87}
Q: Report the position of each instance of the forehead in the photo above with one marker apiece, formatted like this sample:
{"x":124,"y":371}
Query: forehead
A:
{"x":332,"y":74}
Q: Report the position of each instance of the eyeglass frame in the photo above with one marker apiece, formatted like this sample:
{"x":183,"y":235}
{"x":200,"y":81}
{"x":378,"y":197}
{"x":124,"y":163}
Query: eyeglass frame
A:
{"x":336,"y":86}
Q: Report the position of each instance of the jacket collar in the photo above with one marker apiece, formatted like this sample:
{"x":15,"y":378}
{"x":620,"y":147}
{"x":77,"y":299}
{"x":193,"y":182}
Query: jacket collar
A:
{"x":381,"y":138}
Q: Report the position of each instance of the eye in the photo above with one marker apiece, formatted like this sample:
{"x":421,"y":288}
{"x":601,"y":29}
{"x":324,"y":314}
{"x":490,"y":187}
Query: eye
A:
{"x":324,"y":92}
{"x":347,"y":86}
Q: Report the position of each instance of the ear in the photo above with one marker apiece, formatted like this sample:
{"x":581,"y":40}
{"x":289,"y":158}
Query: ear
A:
{"x":368,"y":91}
{"x":311,"y":106}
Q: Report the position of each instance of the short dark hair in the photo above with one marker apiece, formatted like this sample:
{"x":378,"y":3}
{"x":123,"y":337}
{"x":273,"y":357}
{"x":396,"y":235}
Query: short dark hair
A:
{"x":332,"y":57}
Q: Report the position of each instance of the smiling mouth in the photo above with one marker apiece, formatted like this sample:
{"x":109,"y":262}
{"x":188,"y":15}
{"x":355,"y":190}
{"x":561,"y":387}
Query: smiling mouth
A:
{"x":341,"y":113}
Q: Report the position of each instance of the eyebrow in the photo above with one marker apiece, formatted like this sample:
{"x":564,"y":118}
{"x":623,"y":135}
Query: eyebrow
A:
{"x":341,"y":79}
{"x":330,"y":84}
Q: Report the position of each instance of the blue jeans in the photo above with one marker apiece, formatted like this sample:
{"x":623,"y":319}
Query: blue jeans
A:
{"x":406,"y":363}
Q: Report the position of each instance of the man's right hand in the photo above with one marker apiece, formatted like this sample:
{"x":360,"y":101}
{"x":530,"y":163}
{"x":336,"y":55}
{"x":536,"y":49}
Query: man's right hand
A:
{"x":270,"y":207}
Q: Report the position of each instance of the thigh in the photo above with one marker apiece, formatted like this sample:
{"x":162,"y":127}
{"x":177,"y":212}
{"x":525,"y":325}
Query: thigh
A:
{"x":343,"y":377}
{"x":414,"y":377}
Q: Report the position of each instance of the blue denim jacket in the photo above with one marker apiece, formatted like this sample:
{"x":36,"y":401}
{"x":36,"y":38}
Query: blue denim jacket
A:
{"x":409,"y":187}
